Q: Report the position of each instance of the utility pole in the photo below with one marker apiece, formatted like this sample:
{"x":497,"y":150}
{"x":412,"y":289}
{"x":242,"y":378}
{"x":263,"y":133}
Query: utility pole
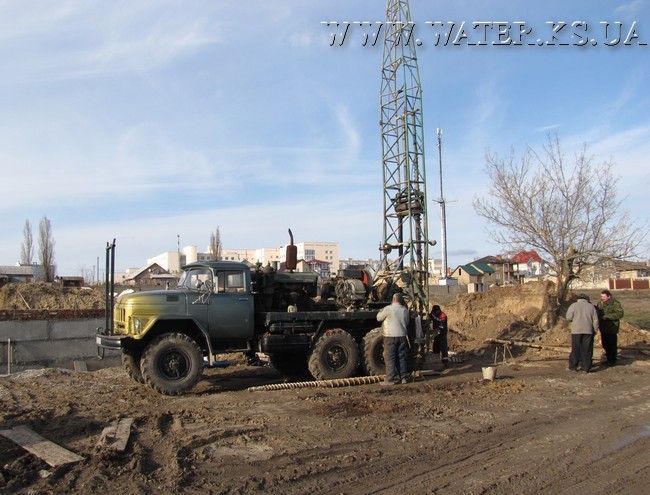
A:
{"x":443,"y":213}
{"x":404,"y":248}
{"x":445,"y":279}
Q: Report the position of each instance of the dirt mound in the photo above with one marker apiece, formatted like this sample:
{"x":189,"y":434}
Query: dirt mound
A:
{"x":518,"y":312}
{"x":512,"y":312}
{"x":42,"y":296}
{"x":41,"y":301}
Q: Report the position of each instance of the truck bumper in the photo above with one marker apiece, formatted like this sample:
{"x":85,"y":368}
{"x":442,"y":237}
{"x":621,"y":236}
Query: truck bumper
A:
{"x":113,"y":342}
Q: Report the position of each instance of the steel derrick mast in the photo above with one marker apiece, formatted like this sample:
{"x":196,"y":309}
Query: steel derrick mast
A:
{"x":405,"y":254}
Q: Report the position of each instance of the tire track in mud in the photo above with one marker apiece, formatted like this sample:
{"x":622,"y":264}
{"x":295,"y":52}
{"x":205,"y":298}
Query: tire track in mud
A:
{"x":548,"y":450}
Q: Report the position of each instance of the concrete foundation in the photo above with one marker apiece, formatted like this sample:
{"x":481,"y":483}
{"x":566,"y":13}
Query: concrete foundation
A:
{"x":51,"y":343}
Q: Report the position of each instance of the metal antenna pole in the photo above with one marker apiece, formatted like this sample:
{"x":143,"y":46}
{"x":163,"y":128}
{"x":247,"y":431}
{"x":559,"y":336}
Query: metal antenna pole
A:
{"x":443,"y":212}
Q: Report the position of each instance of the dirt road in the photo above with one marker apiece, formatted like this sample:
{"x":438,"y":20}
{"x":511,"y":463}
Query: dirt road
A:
{"x":536,"y":429}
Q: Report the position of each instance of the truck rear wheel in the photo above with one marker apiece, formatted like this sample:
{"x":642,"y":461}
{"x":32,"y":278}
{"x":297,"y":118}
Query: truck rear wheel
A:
{"x":373,"y":353}
{"x":172,"y":363}
{"x":131,"y":363}
{"x":335,"y":355}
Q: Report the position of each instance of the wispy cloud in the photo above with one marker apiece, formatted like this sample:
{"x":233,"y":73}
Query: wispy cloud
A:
{"x":79,"y":39}
{"x":547,"y":128}
{"x":631,"y":7}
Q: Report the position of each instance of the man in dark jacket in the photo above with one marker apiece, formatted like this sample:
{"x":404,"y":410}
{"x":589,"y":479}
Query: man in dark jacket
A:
{"x":439,"y":324}
{"x":584,"y":324}
{"x":610,"y":313}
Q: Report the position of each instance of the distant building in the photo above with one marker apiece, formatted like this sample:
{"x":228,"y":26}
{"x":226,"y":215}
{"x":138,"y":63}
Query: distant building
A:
{"x":69,"y":281}
{"x":479,"y":273}
{"x":530,"y":265}
{"x":632,"y":269}
{"x":505,"y":269}
{"x":20,"y":273}
{"x":173,"y":261}
{"x":326,"y":254}
{"x":151,"y":275}
{"x":268,"y":255}
{"x":308,"y":251}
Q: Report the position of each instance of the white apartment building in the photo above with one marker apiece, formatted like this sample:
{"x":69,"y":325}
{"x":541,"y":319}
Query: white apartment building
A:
{"x":262,"y":255}
{"x":268,"y":255}
{"x":172,"y":261}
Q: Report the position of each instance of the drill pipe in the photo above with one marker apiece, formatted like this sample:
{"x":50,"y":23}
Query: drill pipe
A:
{"x":341,"y":382}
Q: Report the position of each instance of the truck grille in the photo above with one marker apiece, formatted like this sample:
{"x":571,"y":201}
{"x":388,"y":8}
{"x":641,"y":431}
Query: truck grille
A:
{"x":120,"y":320}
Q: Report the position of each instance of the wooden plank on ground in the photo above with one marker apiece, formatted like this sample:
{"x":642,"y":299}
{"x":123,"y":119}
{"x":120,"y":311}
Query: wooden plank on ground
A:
{"x":53,"y":454}
{"x":80,"y":366}
{"x":116,"y":435}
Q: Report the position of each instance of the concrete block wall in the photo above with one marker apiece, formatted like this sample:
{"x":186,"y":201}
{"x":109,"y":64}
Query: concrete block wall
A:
{"x":46,"y":343}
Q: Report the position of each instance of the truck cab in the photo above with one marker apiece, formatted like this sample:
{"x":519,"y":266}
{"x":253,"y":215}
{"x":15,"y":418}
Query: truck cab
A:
{"x":210,"y":310}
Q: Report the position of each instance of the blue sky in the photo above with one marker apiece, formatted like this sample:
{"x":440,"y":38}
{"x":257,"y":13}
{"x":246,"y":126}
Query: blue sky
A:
{"x":145,"y":120}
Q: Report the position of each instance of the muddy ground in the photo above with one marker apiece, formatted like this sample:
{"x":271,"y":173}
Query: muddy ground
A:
{"x":537,"y":428}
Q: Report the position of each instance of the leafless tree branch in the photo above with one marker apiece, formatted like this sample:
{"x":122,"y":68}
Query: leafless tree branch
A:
{"x":568,"y":213}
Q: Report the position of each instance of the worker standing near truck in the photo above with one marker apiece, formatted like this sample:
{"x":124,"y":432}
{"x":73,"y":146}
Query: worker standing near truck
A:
{"x":439,"y":321}
{"x":394,"y":318}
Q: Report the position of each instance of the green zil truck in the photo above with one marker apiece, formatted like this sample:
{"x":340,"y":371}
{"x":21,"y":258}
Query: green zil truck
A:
{"x":166,"y":337}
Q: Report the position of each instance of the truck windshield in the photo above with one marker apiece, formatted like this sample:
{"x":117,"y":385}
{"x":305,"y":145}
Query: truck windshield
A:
{"x":200,"y":278}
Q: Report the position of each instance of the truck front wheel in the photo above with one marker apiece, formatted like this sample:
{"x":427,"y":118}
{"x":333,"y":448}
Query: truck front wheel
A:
{"x":131,"y":363}
{"x":172,"y":363}
{"x":335,"y":355}
{"x":373,"y":353}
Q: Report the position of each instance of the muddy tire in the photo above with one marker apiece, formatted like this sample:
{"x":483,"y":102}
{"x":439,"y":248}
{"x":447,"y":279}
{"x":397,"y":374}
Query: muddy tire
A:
{"x":172,"y":364}
{"x":335,"y":355}
{"x":290,"y":364}
{"x":131,"y":363}
{"x":373,"y":363}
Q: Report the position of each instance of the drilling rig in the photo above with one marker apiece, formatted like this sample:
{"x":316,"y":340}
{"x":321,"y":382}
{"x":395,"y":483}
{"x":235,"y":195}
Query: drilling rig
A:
{"x":404,"y":248}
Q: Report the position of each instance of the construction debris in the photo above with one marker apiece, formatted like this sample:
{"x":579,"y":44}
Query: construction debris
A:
{"x":528,"y":344}
{"x":54,"y":455}
{"x":116,"y":435}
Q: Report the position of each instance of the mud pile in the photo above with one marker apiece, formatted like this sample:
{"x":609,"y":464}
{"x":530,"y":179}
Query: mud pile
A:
{"x":520,"y":313}
{"x":40,"y":296}
{"x":41,"y":301}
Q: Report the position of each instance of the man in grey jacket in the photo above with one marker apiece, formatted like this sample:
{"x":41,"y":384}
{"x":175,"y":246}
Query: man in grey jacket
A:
{"x":394,"y":320}
{"x":584,"y":324}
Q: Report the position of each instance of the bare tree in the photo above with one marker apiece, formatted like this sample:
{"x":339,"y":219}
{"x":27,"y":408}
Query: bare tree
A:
{"x":46,"y":249}
{"x":569,"y":213}
{"x":215,"y":244}
{"x":27,"y":247}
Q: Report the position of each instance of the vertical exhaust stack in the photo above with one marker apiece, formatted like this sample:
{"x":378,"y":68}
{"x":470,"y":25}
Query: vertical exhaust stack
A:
{"x":291,"y":255}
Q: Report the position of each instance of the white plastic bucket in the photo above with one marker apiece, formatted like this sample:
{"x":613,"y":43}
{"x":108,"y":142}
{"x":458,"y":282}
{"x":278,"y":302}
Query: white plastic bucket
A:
{"x":489,"y":373}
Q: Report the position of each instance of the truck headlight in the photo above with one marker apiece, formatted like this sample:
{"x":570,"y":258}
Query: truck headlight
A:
{"x":137,"y":324}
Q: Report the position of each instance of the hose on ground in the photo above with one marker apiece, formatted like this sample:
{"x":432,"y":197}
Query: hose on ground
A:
{"x":341,"y":382}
